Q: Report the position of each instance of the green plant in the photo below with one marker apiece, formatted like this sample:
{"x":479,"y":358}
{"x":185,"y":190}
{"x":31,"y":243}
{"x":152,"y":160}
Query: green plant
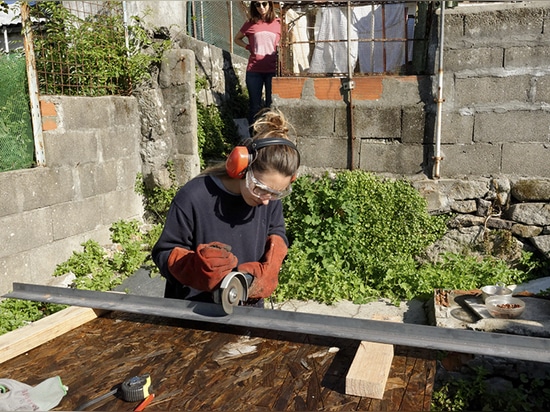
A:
{"x":157,"y":200}
{"x":95,"y":269}
{"x":216,"y":131}
{"x":349,"y":233}
{"x":475,"y":394}
{"x":90,"y":56}
{"x":15,"y":313}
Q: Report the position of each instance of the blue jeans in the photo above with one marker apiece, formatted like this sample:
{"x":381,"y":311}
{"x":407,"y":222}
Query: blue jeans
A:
{"x":255,"y":83}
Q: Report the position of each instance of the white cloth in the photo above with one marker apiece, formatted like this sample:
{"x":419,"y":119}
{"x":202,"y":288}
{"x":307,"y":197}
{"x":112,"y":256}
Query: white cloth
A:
{"x":299,"y":46}
{"x":332,"y":57}
{"x":370,"y":26}
{"x":367,"y":22}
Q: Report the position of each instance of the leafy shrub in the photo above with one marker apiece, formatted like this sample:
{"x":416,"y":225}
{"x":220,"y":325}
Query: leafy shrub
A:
{"x":96,"y":270}
{"x":157,"y":200}
{"x":15,"y":313}
{"x":349,"y":232}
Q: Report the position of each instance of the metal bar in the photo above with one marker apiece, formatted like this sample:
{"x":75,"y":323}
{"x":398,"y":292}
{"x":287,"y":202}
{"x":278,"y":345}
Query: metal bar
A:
{"x":412,"y":335}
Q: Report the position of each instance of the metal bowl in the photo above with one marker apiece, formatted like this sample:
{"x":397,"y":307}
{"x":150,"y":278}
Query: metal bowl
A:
{"x":495,"y":290}
{"x":505,"y":307}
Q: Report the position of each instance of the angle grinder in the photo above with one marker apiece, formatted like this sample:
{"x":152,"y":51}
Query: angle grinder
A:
{"x":233,"y":290}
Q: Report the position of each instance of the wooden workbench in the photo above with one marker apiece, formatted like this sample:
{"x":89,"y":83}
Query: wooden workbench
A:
{"x":197,"y":366}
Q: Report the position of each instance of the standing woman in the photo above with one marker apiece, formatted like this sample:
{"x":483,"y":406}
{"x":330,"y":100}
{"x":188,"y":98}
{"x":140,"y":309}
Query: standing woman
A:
{"x":230,"y":217}
{"x":263,"y":32}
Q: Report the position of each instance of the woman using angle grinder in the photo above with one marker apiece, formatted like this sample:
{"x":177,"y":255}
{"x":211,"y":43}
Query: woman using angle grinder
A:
{"x":230,"y":217}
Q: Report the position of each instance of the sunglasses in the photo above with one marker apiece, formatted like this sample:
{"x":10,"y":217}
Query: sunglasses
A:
{"x":261,"y":3}
{"x":262,"y":191}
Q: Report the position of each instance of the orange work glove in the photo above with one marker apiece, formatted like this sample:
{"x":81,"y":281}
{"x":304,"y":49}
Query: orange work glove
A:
{"x":266,"y":272}
{"x":203,"y":269}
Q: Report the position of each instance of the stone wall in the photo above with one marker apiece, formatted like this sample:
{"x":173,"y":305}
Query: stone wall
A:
{"x":92,"y":159}
{"x":517,"y":206}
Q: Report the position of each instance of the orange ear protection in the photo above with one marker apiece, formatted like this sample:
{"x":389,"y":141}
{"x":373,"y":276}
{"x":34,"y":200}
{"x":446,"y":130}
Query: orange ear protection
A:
{"x":242,"y":156}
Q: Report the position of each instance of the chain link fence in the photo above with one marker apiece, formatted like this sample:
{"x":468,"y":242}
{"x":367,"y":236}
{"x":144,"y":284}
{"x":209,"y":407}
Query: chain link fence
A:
{"x":16,"y":139}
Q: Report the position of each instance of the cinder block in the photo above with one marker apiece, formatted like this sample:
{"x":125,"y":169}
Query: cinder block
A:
{"x":25,"y":231}
{"x":414,"y":123}
{"x":392,"y":157}
{"x":312,"y":119}
{"x":494,"y":90}
{"x":127,"y":170}
{"x":119,"y":142}
{"x":455,"y":128}
{"x":97,"y":178}
{"x":12,"y":197}
{"x":118,"y":205}
{"x":71,"y":148}
{"x":470,"y":159}
{"x":527,"y":56}
{"x":473,"y":58}
{"x":512,"y":126}
{"x":42,"y":187}
{"x":526,"y":159}
{"x":368,"y":122}
{"x":73,"y":218}
{"x":542,"y":94}
{"x":490,"y":25}
{"x":83,"y":113}
{"x":324,"y":152}
{"x":125,"y":111}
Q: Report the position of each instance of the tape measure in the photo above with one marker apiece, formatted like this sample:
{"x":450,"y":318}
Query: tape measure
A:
{"x":136,"y":389}
{"x":132,"y":390}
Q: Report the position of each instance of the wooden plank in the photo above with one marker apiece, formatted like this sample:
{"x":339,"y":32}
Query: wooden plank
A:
{"x":369,"y":370}
{"x":30,"y":336}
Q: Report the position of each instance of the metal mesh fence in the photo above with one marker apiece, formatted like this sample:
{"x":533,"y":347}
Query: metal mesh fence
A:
{"x":16,"y":139}
{"x":217,"y":22}
{"x":81,"y":48}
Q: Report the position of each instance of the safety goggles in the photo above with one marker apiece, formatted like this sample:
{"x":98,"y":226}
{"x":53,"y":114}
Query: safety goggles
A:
{"x":261,"y":3}
{"x":262,"y":191}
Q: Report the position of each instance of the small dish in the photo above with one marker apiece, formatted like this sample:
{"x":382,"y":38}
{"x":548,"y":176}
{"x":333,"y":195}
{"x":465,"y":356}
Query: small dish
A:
{"x":499,"y":289}
{"x":505,"y":307}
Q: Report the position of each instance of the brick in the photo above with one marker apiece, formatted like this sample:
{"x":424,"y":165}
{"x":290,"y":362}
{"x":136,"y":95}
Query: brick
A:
{"x":47,"y":108}
{"x":393,"y":157}
{"x":48,"y":125}
{"x":367,"y":88}
{"x":328,"y":89}
{"x":288,"y":87}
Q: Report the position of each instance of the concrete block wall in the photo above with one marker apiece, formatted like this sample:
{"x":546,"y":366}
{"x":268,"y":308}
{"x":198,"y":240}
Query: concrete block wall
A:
{"x":495,"y":117}
{"x":92,"y":159}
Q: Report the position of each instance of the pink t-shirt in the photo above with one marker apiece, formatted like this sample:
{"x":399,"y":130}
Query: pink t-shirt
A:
{"x":263,"y":39}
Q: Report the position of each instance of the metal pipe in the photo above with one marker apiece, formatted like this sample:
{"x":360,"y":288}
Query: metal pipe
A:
{"x":412,"y":335}
{"x":7,"y":45}
{"x":437,"y":155}
{"x":349,"y":97}
{"x":32,"y":80}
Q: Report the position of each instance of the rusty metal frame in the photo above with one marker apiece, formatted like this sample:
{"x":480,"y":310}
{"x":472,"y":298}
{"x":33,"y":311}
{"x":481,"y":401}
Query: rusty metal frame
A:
{"x":412,"y":335}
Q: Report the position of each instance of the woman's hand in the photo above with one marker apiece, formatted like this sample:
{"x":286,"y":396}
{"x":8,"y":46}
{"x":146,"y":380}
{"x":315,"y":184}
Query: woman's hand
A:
{"x":203,"y":269}
{"x":266,"y":272}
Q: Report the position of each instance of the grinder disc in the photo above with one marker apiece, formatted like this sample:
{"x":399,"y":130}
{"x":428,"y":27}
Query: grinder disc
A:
{"x":232,"y":294}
